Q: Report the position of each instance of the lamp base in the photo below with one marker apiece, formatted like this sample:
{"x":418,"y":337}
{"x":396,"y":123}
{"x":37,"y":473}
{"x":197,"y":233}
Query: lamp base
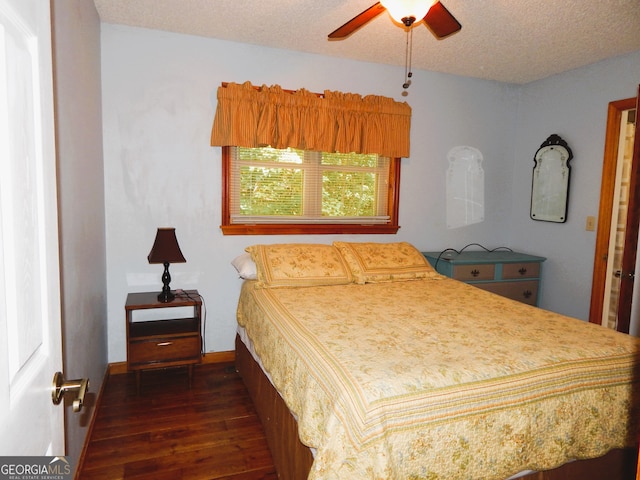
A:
{"x":166,"y":297}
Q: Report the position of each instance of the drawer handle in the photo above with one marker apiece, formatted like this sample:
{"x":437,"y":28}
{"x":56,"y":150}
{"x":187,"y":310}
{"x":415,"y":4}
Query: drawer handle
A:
{"x":475,"y":272}
{"x":522,"y":271}
{"x":164,"y":344}
{"x":527,"y":294}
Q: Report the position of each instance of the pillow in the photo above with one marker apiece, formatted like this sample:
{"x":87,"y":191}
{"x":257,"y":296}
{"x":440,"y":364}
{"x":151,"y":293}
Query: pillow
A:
{"x":299,"y":265}
{"x":385,"y":262}
{"x":245,"y":266}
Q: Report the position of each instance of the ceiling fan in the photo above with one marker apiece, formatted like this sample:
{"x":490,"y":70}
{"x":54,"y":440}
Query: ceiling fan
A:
{"x":434,"y":14}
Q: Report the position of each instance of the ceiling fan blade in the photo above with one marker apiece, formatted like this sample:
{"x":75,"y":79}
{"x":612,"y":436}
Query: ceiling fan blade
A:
{"x":357,"y":21}
{"x":440,"y":21}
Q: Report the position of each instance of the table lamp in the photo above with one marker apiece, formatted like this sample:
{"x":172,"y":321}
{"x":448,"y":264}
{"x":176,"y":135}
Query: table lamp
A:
{"x":166,"y":250}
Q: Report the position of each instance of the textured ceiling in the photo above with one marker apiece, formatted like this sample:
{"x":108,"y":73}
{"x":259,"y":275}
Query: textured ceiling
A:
{"x":514,"y":41}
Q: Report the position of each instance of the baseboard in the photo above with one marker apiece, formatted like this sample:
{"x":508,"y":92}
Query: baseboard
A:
{"x":118,"y":368}
{"x":219,"y":357}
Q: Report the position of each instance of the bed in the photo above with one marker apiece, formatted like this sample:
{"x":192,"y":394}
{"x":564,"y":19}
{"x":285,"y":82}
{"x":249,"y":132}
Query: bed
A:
{"x":364,"y":363}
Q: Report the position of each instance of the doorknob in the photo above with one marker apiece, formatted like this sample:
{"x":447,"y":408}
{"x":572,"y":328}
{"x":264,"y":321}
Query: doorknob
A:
{"x":61,"y":386}
{"x":620,"y":274}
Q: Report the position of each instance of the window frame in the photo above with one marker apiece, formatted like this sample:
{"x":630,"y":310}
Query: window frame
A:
{"x":390,"y":227}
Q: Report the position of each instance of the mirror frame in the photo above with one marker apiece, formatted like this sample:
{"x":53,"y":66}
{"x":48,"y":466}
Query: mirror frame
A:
{"x":550,"y":182}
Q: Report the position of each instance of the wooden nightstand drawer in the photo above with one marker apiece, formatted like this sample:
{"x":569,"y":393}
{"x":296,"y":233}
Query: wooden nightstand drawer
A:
{"x":521,"y":270}
{"x":525,"y":292}
{"x":164,"y":350}
{"x":474,"y":272}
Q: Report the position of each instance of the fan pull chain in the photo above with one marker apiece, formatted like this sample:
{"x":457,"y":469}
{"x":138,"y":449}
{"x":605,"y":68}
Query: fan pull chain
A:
{"x":407,"y":62}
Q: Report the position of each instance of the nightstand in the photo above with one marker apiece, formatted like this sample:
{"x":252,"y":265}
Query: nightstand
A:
{"x":163,"y":343}
{"x":510,"y":274}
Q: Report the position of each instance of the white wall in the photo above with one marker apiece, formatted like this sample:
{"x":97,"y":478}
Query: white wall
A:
{"x":76,"y":39}
{"x":159,"y":97}
{"x":573,"y":105}
{"x":159,"y":100}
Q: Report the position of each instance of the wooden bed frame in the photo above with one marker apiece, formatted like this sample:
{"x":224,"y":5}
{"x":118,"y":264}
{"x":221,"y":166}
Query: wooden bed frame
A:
{"x":293,"y":459}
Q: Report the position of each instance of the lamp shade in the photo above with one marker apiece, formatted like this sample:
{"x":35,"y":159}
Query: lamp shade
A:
{"x":401,"y":9}
{"x":165,"y":248}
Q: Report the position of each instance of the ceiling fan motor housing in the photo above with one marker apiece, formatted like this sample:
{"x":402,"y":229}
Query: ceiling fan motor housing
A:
{"x":408,"y":21}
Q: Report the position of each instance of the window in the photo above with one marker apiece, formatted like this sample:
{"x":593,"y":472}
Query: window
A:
{"x":285,"y":191}
{"x":289,"y":191}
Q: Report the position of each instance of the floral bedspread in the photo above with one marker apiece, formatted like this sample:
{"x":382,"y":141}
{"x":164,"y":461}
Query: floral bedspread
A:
{"x":436,"y":379}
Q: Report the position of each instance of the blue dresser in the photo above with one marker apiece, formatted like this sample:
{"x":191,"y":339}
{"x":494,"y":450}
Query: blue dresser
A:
{"x":510,"y":274}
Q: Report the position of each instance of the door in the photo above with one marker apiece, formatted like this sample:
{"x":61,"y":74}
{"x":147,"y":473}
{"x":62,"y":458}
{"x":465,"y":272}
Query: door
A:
{"x":30,"y":328}
{"x":617,"y":237}
{"x":627,"y":273}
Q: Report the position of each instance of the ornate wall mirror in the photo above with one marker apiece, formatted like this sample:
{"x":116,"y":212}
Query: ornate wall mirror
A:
{"x":550,"y":187}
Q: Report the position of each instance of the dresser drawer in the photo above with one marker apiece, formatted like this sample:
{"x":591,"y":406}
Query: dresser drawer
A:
{"x":510,"y":274}
{"x":525,"y":292}
{"x":520,"y":270}
{"x":482,"y":271}
{"x":164,"y":350}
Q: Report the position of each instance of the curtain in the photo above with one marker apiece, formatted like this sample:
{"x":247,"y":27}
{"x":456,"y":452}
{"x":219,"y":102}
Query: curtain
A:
{"x":247,"y":116}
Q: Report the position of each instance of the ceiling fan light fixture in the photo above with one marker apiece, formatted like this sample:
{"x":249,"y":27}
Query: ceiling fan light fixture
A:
{"x":407,"y":9}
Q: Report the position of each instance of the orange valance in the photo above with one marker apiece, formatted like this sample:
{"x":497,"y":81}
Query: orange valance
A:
{"x":247,"y":116}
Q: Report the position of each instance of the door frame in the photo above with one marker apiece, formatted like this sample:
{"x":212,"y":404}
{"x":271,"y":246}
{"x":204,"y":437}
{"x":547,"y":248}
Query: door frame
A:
{"x":605,"y":212}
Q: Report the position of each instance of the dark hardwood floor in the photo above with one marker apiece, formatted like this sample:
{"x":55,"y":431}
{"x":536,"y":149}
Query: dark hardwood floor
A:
{"x":169,"y":431}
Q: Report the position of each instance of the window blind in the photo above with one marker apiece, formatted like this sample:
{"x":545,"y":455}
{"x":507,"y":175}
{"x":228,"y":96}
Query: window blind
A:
{"x":270,"y":186}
